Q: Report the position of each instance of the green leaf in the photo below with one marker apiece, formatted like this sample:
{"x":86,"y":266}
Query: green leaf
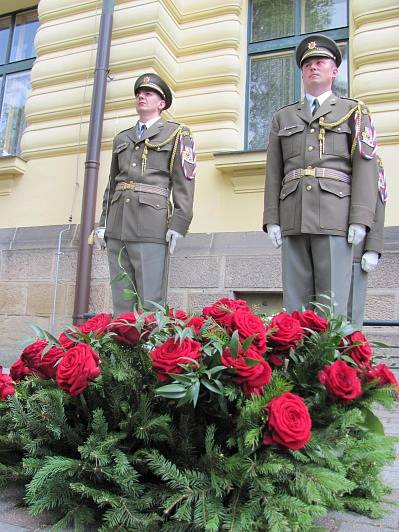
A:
{"x":216,"y":369}
{"x":210,"y":386}
{"x":248,"y":341}
{"x":128,"y":294}
{"x":119,"y":277}
{"x":171,"y":395}
{"x":195,"y":388}
{"x":38,"y":332}
{"x":372,"y":422}
{"x":234,"y":344}
{"x":251,"y":361}
{"x":171,"y":388}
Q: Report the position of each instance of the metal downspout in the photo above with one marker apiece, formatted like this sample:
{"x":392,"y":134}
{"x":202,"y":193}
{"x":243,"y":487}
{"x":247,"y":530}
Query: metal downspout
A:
{"x":83,"y":273}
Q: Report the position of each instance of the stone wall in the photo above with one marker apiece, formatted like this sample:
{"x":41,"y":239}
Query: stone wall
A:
{"x":203,"y":268}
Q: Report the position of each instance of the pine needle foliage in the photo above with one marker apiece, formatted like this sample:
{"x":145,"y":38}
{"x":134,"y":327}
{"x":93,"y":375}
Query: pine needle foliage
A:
{"x":122,"y":457}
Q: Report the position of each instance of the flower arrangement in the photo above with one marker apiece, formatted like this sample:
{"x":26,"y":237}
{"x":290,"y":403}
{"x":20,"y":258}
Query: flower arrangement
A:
{"x":220,"y":421}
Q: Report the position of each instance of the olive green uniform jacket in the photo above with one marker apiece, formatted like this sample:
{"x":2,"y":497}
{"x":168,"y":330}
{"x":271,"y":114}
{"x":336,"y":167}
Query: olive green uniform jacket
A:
{"x":318,"y":205}
{"x":132,"y":216}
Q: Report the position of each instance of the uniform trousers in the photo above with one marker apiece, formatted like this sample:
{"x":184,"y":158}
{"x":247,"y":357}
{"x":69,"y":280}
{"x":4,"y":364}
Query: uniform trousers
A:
{"x":357,"y":295}
{"x":316,"y":266}
{"x":144,"y":263}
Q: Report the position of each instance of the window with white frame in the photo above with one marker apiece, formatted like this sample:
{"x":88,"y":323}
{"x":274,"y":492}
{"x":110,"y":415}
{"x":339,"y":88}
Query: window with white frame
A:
{"x":17,"y":54}
{"x":275,"y":29}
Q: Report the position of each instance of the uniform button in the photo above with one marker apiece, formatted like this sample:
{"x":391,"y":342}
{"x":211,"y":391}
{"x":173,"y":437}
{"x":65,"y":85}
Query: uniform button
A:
{"x":310,"y":148}
{"x":127,"y":200}
{"x":338,"y":128}
{"x":312,"y":129}
{"x":340,"y":193}
{"x":308,"y":187}
{"x":310,"y":167}
{"x":137,"y":148}
{"x":134,"y":164}
{"x":157,"y":205}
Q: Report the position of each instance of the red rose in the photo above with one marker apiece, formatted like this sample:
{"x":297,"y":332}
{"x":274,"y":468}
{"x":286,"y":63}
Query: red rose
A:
{"x":19,"y":370}
{"x":178,"y":314}
{"x":252,"y":378}
{"x":247,"y":324}
{"x":167,"y":356}
{"x":66,"y":342}
{"x":7,"y":386}
{"x":289,"y":421}
{"x":276,"y":360}
{"x":97,"y":324}
{"x":79,"y":365}
{"x":196,"y":323}
{"x":341,"y":381}
{"x":125,"y":330}
{"x":383,"y":375}
{"x":287,"y":332}
{"x":359,"y":349}
{"x":311,"y":320}
{"x":31,"y":355}
{"x":222,"y":310}
{"x":47,"y":364}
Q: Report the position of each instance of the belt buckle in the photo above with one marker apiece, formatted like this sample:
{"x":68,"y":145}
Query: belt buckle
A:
{"x":130,"y":185}
{"x":311,"y":172}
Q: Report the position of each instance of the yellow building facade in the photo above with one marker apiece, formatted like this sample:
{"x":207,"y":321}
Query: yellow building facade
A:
{"x":200,"y":47}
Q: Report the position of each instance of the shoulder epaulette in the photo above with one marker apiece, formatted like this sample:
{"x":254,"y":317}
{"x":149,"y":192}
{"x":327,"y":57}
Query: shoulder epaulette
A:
{"x":288,"y":105}
{"x":123,"y":130}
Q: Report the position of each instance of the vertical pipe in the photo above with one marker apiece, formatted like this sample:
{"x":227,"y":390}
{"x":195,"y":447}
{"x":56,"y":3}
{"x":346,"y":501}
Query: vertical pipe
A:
{"x":83,"y":273}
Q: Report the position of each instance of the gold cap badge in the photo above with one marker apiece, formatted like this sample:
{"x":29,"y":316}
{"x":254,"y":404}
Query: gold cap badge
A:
{"x":312,"y":45}
{"x":146,"y":79}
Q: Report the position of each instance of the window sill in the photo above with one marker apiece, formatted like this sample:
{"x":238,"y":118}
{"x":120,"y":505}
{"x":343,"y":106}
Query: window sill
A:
{"x":245,"y":169}
{"x":11,"y":167}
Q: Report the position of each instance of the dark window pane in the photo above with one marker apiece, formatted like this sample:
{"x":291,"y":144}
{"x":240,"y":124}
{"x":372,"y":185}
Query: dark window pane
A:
{"x":324,"y":15}
{"x":4,"y":36}
{"x":340,"y":86}
{"x":26,"y":25}
{"x":12,"y":121}
{"x":272,"y":19}
{"x":271,"y":87}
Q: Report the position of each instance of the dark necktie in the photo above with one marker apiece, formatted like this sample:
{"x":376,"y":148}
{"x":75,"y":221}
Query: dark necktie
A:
{"x":141,"y":129}
{"x":316,"y":105}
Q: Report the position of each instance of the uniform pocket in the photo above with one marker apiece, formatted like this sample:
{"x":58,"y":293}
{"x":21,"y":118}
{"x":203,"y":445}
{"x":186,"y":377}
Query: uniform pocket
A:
{"x":115,"y":211}
{"x":152,"y":216}
{"x":291,"y":140}
{"x":334,"y":204}
{"x":338,"y":141}
{"x":288,"y":201}
{"x":123,"y":156}
{"x":158,"y":158}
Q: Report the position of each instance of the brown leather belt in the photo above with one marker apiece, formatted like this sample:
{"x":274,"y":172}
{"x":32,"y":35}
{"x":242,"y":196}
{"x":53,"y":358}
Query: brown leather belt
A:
{"x":327,"y":173}
{"x":142,"y":187}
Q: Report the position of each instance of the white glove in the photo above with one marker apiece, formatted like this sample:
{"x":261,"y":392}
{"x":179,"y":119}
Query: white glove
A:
{"x":274,"y":232}
{"x":99,"y":240}
{"x":356,"y":234}
{"x":370,"y":261}
{"x":172,"y":237}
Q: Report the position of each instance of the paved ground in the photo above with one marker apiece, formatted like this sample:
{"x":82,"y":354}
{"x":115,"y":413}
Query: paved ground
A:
{"x":15,"y":518}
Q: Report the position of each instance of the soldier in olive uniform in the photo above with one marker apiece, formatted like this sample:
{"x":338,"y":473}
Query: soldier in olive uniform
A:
{"x":321,"y":182}
{"x":150,"y":161}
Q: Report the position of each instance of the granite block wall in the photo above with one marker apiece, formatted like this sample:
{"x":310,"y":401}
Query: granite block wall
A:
{"x":204,"y":268}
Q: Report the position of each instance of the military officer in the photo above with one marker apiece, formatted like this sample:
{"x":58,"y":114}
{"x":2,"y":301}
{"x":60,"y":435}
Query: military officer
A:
{"x":321,"y":182}
{"x":150,"y":161}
